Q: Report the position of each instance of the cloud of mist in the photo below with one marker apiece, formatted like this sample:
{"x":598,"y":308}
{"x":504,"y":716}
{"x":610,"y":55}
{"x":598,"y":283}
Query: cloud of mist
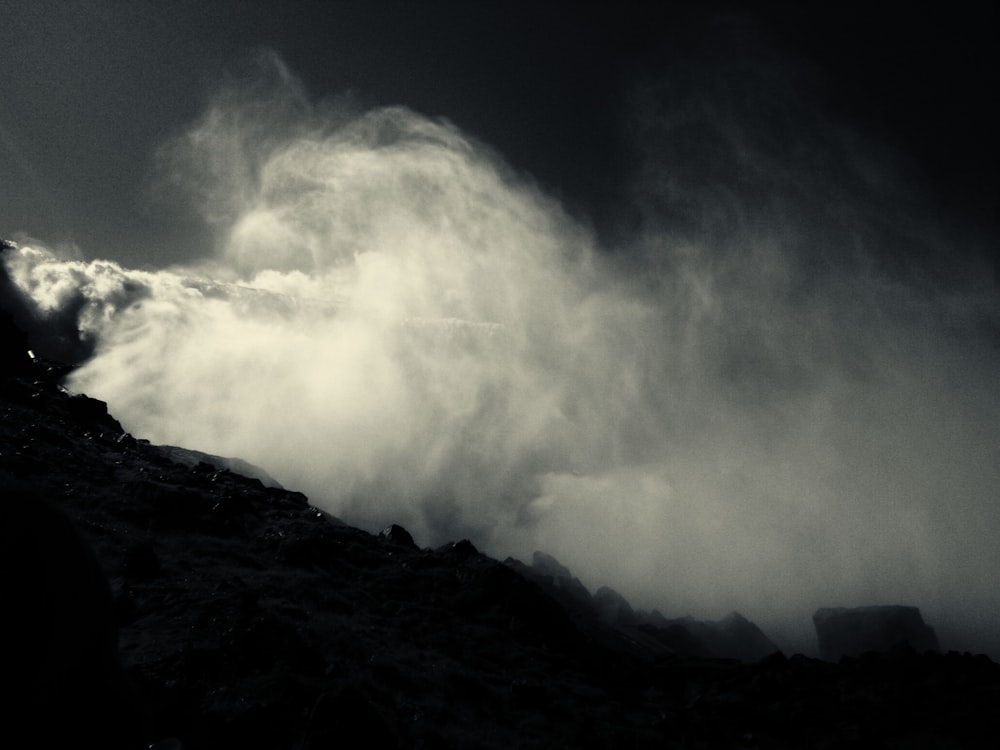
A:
{"x":777,"y":393}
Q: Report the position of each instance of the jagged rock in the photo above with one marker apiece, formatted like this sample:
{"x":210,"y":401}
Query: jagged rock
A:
{"x":193,"y":459}
{"x":546,"y":569}
{"x":88,"y":410}
{"x":547,"y":565}
{"x":613,"y":608}
{"x":732,"y":637}
{"x":255,"y":620}
{"x":529,"y":613}
{"x":398,"y":535}
{"x":56,"y":336}
{"x":654,"y":618}
{"x":851,"y":632}
{"x":460,"y":550}
{"x":735,"y":637}
{"x":677,"y":639}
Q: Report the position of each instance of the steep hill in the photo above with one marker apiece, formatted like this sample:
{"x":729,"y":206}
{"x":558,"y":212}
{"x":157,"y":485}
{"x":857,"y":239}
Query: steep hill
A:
{"x":157,"y":597}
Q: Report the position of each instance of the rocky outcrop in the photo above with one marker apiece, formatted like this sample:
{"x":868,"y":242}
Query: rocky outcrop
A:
{"x":612,"y":608}
{"x":396,"y":534}
{"x":14,"y":357}
{"x":192,"y":458}
{"x":546,"y":569}
{"x":50,"y":334}
{"x":851,"y":632}
{"x":245,"y":617}
{"x":733,"y":637}
{"x":647,"y":633}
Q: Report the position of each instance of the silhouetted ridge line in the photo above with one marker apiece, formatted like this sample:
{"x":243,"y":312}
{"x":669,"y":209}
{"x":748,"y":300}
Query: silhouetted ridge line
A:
{"x":196,"y":608}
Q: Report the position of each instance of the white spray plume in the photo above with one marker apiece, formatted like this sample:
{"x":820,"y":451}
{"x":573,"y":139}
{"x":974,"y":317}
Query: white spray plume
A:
{"x":400,"y":327}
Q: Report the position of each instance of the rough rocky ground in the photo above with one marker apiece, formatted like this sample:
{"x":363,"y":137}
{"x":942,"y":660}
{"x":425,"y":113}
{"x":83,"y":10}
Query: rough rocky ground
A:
{"x":185,"y":606}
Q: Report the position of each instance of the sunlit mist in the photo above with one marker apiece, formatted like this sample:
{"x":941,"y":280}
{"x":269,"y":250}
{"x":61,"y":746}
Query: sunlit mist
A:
{"x":760,"y":398}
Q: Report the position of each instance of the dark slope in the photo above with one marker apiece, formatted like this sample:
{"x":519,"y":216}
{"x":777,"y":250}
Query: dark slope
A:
{"x":245,"y":618}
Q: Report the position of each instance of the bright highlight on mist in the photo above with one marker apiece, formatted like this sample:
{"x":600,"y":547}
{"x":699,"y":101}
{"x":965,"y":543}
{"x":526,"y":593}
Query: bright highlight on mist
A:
{"x":402,"y":328}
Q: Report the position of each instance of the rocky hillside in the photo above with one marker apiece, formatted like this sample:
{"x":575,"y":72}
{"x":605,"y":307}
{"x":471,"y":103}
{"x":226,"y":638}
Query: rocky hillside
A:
{"x":159,"y":598}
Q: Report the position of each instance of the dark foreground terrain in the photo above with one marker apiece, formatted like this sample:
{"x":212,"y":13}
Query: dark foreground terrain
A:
{"x":156,"y":598}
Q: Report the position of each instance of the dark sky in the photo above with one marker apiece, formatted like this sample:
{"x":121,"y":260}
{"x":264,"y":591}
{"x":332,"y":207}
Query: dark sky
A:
{"x":88,"y":90}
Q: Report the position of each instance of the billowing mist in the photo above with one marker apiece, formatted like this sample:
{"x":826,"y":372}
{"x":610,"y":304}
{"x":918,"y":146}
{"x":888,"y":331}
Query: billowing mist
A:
{"x":774,"y":389}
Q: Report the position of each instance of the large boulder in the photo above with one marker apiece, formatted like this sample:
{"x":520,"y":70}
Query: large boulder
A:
{"x":841,"y":631}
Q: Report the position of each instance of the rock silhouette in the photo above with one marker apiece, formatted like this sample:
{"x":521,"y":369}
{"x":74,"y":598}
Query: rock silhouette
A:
{"x":181,"y":605}
{"x":852,"y":632}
